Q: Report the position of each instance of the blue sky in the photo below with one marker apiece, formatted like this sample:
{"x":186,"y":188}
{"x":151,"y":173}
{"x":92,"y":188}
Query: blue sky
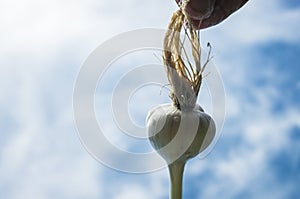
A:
{"x":43,"y":45}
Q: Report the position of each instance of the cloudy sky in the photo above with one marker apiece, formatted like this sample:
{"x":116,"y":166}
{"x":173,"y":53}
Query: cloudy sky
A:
{"x":44,"y":43}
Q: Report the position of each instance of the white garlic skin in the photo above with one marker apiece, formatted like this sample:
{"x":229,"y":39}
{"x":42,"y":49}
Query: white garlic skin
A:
{"x":194,"y":131}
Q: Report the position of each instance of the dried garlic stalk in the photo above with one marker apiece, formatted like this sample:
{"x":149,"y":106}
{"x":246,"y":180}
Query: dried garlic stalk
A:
{"x":185,"y":77}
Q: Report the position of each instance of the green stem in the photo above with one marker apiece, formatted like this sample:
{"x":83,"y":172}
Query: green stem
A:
{"x":176,"y":172}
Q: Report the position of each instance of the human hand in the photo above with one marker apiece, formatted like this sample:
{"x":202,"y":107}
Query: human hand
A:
{"x":211,"y":12}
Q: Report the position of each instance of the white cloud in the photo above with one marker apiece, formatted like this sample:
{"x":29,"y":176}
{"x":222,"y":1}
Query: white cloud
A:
{"x":132,"y":191}
{"x":35,"y":163}
{"x":40,"y":158}
{"x":44,"y":158}
{"x":258,"y":22}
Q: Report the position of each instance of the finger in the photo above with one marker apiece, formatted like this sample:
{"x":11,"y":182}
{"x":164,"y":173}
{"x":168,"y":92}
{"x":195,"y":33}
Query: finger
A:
{"x":222,"y":10}
{"x":200,"y":9}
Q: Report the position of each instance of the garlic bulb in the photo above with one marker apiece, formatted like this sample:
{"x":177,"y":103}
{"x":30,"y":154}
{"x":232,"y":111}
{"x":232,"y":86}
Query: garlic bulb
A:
{"x":179,"y":134}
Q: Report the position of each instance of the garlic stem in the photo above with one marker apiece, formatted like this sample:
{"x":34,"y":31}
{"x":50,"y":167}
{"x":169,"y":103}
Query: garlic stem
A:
{"x":176,"y":172}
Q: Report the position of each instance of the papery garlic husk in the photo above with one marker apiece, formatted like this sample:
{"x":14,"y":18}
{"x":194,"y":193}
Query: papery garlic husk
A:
{"x":179,"y":134}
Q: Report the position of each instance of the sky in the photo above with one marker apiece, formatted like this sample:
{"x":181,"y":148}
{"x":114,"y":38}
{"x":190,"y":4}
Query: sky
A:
{"x":43,"y":46}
